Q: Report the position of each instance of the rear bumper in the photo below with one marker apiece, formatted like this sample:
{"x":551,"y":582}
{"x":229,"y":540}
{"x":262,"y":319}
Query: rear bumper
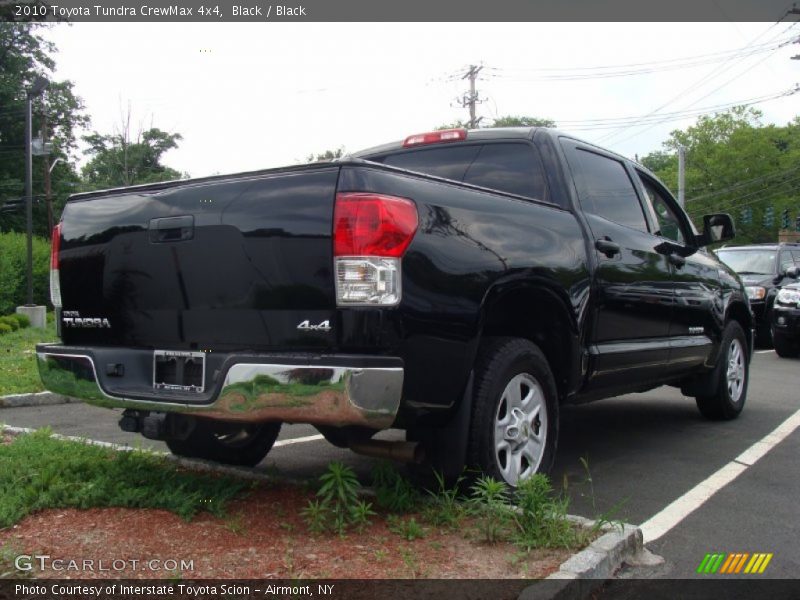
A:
{"x":334,"y":390}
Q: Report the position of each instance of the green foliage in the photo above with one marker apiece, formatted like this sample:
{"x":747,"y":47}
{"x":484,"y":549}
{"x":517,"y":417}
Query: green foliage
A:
{"x":5,"y":328}
{"x":444,"y":507}
{"x":393,"y":491}
{"x":25,"y":54}
{"x":13,"y":265}
{"x":118,"y":160}
{"x":10,"y":322}
{"x":505,"y":121}
{"x":18,"y":370}
{"x":338,"y":506}
{"x":491,"y":506}
{"x":39,"y":472}
{"x":735,"y":162}
{"x":326,"y":156}
{"x":541,"y":520}
{"x":21,"y":319}
{"x":408,"y":528}
{"x":522,"y":121}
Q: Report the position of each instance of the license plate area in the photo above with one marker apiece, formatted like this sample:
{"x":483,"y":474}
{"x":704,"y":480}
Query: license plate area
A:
{"x":179,"y":370}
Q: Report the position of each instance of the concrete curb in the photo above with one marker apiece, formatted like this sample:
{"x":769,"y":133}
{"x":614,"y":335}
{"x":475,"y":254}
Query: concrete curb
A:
{"x":585,"y":571}
{"x":37,"y":399}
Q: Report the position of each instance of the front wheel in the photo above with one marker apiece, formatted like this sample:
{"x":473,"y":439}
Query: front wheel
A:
{"x":227,"y":442}
{"x":514,"y":428}
{"x":731,"y":374}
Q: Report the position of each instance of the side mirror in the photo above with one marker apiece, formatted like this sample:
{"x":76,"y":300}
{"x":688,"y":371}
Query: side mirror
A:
{"x":793,"y":272}
{"x":716,"y":228}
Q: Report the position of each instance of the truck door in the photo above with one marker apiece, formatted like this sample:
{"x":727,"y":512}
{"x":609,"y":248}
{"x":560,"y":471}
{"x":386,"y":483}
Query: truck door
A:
{"x":633,"y":291}
{"x":697,"y":312}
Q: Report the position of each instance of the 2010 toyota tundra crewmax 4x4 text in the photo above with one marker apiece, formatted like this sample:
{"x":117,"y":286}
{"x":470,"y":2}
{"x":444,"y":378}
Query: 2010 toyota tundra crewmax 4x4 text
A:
{"x":460,"y":285}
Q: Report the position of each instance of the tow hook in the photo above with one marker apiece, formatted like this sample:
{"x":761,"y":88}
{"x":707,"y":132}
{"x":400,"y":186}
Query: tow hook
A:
{"x":157,"y":425}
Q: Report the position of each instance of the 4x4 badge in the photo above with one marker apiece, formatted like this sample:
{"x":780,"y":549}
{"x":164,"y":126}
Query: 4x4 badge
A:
{"x":307,"y":326}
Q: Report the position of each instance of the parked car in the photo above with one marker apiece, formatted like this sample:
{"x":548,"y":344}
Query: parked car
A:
{"x":459,"y":285}
{"x":786,"y":321}
{"x":764,"y":269}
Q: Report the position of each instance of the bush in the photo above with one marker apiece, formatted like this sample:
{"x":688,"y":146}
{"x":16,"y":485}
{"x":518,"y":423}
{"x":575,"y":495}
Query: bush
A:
{"x":13,"y":264}
{"x":5,"y":328}
{"x":23,"y":320}
{"x":11,"y":322}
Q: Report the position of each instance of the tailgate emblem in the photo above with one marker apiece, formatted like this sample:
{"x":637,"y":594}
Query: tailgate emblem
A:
{"x":307,"y":326}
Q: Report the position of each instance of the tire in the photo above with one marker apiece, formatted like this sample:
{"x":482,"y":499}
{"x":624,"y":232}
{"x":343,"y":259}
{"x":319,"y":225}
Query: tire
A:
{"x":514,"y":395}
{"x":785,"y":348}
{"x":731,"y":376}
{"x":227,"y":442}
{"x":764,"y":337}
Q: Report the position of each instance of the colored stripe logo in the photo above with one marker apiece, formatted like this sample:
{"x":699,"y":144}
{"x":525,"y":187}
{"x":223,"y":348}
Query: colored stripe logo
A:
{"x":735,"y":562}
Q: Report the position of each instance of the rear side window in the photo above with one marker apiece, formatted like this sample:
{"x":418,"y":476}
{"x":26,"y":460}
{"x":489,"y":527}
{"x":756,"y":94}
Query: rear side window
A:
{"x":606,"y":190}
{"x":508,"y":167}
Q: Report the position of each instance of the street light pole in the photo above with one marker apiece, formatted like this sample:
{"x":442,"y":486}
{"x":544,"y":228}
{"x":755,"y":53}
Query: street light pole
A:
{"x":36,"y":89}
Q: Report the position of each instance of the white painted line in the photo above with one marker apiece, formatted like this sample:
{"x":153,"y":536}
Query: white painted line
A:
{"x":677,"y":511}
{"x":300,"y":440}
{"x":763,"y":351}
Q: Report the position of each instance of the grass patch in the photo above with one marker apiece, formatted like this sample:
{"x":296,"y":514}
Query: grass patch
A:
{"x":18,"y":371}
{"x":38,"y":471}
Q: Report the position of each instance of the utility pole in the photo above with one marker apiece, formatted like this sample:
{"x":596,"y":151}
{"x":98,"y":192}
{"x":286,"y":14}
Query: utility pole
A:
{"x":471,"y":99}
{"x":682,"y":176}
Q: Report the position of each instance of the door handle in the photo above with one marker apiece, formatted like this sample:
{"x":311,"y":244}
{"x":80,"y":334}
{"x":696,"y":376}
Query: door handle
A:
{"x":605,"y":246}
{"x":172,"y":229}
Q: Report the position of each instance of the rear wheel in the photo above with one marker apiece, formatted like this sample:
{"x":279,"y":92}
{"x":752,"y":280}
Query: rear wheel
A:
{"x":731,"y":374}
{"x":784,"y":347}
{"x":514,"y":426}
{"x":227,"y":442}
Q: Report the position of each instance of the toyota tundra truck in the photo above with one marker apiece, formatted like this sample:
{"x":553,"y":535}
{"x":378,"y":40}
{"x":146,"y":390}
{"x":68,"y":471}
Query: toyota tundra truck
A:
{"x":459,"y":285}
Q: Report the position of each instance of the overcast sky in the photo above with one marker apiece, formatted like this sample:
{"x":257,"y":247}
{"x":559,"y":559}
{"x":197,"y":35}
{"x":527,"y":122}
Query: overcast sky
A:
{"x":250,"y":96}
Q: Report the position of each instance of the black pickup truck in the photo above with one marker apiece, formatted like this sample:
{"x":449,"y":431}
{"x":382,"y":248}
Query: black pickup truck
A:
{"x":460,"y":285}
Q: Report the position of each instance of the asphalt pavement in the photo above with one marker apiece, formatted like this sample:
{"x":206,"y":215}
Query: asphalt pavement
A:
{"x":626,"y":458}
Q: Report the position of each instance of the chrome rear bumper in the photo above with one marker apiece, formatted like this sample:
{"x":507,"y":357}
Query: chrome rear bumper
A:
{"x":251,"y":391}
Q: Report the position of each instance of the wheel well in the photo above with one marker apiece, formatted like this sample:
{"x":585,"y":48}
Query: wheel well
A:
{"x":738,"y":312}
{"x":540,"y":317}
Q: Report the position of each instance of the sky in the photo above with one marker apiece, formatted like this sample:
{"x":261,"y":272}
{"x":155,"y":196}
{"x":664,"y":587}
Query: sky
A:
{"x":251,"y":96}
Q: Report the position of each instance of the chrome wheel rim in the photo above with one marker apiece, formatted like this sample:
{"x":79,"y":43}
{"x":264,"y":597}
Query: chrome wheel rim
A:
{"x":736,"y":371}
{"x":520,"y":428}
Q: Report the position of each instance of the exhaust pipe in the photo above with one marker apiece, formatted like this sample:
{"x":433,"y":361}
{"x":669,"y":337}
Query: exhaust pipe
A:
{"x":407,"y":452}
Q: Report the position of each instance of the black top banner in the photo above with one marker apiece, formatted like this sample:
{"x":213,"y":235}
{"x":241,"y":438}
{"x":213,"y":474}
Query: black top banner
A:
{"x":255,"y":11}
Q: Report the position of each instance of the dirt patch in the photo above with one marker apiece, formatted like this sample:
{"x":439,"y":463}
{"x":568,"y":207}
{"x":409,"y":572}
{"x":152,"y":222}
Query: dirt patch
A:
{"x":264,"y":536}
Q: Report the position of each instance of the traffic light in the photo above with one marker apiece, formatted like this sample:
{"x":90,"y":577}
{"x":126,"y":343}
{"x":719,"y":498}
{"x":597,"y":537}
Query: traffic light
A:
{"x":747,"y":216}
{"x":797,"y":223}
{"x":769,"y":217}
{"x":785,"y":219}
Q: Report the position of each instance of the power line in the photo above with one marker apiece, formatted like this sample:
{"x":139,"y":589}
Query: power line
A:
{"x":698,"y":83}
{"x":744,"y":183}
{"x":582,"y":73}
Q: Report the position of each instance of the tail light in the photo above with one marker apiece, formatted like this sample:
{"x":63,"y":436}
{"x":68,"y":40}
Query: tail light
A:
{"x":55,"y":282}
{"x":371,"y":232}
{"x":435,"y":137}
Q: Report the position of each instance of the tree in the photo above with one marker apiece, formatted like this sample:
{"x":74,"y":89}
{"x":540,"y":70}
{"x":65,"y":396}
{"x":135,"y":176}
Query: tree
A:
{"x":120,"y":160}
{"x":734,"y":163}
{"x":517,"y":121}
{"x":506,"y":121}
{"x":24,"y":55}
{"x":326,"y":156}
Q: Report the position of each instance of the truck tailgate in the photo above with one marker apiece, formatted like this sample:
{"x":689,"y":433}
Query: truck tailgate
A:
{"x":225,"y":264}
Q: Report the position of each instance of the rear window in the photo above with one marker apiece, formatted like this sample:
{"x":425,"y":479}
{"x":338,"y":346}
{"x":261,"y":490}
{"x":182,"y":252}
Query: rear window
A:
{"x":508,"y":167}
